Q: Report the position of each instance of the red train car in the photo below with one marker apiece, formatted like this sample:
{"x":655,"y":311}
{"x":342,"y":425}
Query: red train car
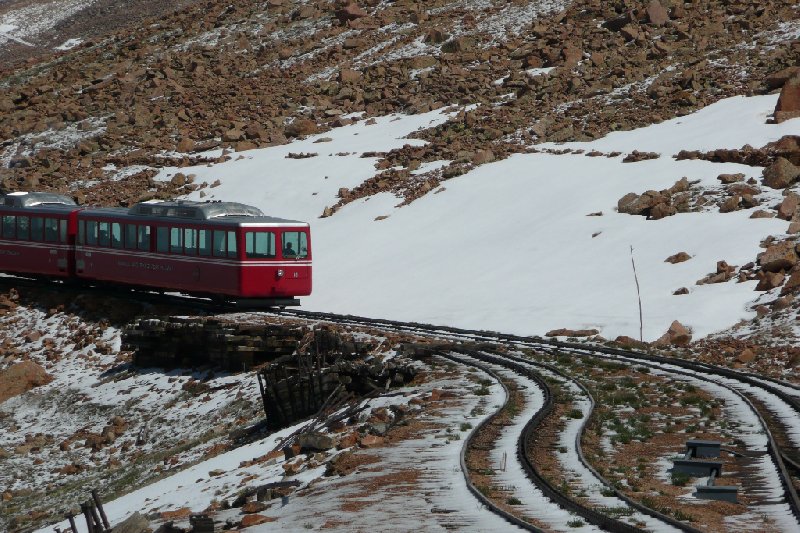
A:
{"x":37,"y":234}
{"x":224,"y":250}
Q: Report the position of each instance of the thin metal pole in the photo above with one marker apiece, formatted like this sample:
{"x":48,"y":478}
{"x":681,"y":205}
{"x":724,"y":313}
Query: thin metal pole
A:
{"x":638,"y":295}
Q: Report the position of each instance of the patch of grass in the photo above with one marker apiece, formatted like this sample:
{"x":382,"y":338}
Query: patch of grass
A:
{"x":575,"y":523}
{"x":483,"y":391}
{"x":680,"y":479}
{"x":465,"y":426}
{"x":680,"y":515}
{"x":574,"y":413}
{"x":513,"y":501}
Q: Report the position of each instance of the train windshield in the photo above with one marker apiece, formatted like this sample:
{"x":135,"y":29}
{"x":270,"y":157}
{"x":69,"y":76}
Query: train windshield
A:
{"x":295,"y":244}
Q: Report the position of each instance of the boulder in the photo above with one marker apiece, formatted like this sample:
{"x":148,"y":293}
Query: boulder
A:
{"x":350,"y":12}
{"x":564,"y":332}
{"x":788,"y":105}
{"x":347,"y":75}
{"x":22,"y":377}
{"x":727,"y":179}
{"x":780,"y":174}
{"x":730,"y":204}
{"x":301,"y":126}
{"x":254,"y":507}
{"x":780,"y":256}
{"x":656,"y":14}
{"x":135,"y":523}
{"x":255,"y":519}
{"x":314,"y":440}
{"x":746,"y":356}
{"x":676,"y":335}
{"x":792,"y":283}
{"x":370,"y":441}
{"x":769,"y":280}
{"x":680,"y":257}
{"x":788,"y":206}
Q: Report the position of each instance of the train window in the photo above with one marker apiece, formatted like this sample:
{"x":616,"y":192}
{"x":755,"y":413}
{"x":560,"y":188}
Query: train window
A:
{"x":23,"y":227}
{"x":37,"y":229}
{"x":144,"y":238}
{"x":176,"y":240}
{"x":162,"y":239}
{"x":259,"y":244}
{"x":91,"y":232}
{"x":190,"y":241}
{"x":116,"y":235}
{"x":219,"y":243}
{"x":204,"y":241}
{"x":62,"y":224}
{"x":231,"y":244}
{"x":295,"y":244}
{"x":51,"y":229}
{"x":130,"y":236}
{"x":9,"y":227}
{"x":105,"y":234}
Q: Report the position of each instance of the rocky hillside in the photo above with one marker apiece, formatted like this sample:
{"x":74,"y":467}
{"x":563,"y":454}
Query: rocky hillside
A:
{"x":254,"y":74}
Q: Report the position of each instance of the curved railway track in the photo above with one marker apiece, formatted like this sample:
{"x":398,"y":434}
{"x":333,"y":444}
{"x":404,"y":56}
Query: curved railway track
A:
{"x":701,"y":371}
{"x":787,"y":393}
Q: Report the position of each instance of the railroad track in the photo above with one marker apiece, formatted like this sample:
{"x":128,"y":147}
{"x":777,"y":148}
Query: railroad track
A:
{"x":745,"y":385}
{"x":485,"y":361}
{"x":786,"y":392}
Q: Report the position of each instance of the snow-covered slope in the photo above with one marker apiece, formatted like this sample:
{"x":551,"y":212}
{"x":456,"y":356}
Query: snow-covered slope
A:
{"x":509,"y":245}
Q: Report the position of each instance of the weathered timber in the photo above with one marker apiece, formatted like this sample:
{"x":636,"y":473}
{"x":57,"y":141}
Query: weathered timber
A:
{"x":196,"y":341}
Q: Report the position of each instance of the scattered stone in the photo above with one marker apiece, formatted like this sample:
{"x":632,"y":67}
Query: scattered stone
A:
{"x":315,"y":440}
{"x":255,"y":519}
{"x":656,"y":13}
{"x":780,"y":174}
{"x":728,"y":179}
{"x":254,"y":507}
{"x":676,"y":335}
{"x":770,"y":280}
{"x":22,"y":377}
{"x":746,"y":356}
{"x":135,"y":523}
{"x":564,"y":332}
{"x":777,"y":257}
{"x":680,"y":257}
{"x":682,"y":290}
{"x":370,"y":441}
{"x":788,"y":105}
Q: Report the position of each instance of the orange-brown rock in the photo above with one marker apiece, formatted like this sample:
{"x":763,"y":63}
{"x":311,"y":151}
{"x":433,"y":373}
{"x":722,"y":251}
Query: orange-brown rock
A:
{"x":680,"y":257}
{"x":769,"y":280}
{"x":746,"y":356}
{"x":255,"y":519}
{"x":780,"y":256}
{"x":676,"y":335}
{"x":254,"y":507}
{"x":370,"y":441}
{"x":788,"y":105}
{"x":177,"y":514}
{"x":564,"y":332}
{"x":22,"y":377}
{"x":788,"y":206}
{"x":780,"y":174}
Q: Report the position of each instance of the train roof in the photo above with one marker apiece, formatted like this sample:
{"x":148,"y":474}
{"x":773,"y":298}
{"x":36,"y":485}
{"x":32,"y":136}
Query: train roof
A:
{"x":220,"y":213}
{"x":36,"y":199}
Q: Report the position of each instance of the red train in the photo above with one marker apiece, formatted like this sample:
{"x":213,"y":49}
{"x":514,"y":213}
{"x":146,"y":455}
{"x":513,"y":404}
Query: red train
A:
{"x":224,"y":250}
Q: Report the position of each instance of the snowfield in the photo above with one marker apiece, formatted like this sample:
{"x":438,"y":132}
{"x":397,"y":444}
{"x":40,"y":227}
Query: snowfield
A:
{"x":509,"y":246}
